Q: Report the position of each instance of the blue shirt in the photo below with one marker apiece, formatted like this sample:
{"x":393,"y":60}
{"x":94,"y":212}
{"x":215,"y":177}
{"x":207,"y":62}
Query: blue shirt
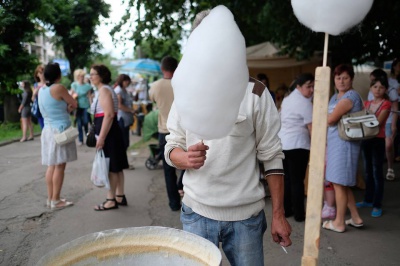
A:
{"x":54,"y":111}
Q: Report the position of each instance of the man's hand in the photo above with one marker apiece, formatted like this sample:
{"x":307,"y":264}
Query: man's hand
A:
{"x":193,"y":158}
{"x":281,"y":230}
{"x":196,"y":155}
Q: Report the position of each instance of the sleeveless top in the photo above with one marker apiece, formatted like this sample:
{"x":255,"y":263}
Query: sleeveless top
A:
{"x":96,"y":107}
{"x":54,"y":111}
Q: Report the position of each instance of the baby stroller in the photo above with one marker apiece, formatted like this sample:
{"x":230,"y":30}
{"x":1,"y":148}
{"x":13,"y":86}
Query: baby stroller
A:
{"x":150,"y":130}
{"x":153,"y":161}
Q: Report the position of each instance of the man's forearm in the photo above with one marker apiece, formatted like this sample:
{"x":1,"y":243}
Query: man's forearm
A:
{"x":178,"y":158}
{"x":276,"y":188}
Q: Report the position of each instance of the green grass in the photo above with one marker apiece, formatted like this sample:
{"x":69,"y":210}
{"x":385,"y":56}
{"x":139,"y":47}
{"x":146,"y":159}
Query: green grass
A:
{"x":12,"y":131}
{"x":141,"y":144}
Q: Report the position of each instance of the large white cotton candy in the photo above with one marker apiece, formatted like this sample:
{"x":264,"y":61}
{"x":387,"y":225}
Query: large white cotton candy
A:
{"x":331,"y":16}
{"x":211,"y":79}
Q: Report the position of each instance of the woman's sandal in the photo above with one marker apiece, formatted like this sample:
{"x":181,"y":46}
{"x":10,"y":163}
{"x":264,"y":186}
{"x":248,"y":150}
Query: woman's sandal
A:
{"x":53,"y":204}
{"x":102,"y":208}
{"x":123,"y":202}
{"x":48,"y":202}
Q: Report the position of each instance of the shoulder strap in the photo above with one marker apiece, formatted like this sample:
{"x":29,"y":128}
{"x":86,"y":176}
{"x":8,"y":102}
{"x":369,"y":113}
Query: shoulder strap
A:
{"x":379,"y":107}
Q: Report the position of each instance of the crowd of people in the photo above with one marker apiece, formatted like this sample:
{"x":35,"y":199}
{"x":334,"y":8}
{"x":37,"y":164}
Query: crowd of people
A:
{"x":201,"y":206}
{"x":274,"y":139}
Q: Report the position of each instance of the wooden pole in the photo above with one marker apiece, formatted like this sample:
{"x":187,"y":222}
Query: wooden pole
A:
{"x":325,"y":50}
{"x":317,"y":163}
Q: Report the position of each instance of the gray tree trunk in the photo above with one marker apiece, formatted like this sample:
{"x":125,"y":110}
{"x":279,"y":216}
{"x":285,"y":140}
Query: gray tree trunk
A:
{"x":11,"y":104}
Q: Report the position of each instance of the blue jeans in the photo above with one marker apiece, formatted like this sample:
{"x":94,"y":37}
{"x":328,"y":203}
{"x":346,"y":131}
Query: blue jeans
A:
{"x":242,"y":241}
{"x":82,"y":121}
{"x":373,"y":151}
{"x":170,"y":177}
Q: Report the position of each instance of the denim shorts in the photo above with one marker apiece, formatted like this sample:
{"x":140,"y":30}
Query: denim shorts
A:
{"x":242,"y":241}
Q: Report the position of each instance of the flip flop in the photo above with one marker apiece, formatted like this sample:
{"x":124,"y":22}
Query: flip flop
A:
{"x":329,"y":226}
{"x":352,"y":223}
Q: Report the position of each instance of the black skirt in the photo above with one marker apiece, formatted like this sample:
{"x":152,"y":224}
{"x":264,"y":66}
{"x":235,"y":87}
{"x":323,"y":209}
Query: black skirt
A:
{"x":113,"y":145}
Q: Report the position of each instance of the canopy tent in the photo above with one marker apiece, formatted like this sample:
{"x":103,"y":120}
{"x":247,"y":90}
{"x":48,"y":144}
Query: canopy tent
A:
{"x":143,"y":66}
{"x":280,"y":69}
{"x":267,"y":55}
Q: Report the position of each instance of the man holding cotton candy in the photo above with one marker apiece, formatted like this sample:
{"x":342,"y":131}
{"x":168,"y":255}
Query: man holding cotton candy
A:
{"x":221,"y":124}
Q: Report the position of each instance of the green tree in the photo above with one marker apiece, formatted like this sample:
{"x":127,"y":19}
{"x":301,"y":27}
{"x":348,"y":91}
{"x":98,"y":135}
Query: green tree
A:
{"x":376,"y":39}
{"x":16,"y":28}
{"x":74,"y":23}
{"x":105,"y":60}
{"x":160,"y":47}
{"x":165,"y":21}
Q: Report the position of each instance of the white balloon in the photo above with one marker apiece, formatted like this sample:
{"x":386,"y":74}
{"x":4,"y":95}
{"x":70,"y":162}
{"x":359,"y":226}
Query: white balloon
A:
{"x":331,"y":16}
{"x":212,"y":76}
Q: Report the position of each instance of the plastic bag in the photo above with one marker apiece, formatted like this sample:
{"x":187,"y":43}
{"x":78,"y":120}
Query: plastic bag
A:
{"x":99,"y":175}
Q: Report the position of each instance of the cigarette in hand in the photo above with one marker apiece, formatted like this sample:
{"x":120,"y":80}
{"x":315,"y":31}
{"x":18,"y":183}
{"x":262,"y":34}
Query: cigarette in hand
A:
{"x":284,"y":249}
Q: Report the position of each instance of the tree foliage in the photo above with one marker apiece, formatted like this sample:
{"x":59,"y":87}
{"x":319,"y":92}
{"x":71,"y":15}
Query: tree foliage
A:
{"x":160,"y":47}
{"x":74,"y":23}
{"x":157,"y":22}
{"x":376,"y":39}
{"x":16,"y":27}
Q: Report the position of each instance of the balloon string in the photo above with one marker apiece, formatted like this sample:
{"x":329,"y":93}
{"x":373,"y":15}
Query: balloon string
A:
{"x":325,"y":49}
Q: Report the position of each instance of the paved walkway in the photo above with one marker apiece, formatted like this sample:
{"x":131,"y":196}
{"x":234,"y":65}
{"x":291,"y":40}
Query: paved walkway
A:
{"x":28,"y":230}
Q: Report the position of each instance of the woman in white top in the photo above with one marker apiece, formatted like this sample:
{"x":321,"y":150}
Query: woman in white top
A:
{"x":296,"y":119}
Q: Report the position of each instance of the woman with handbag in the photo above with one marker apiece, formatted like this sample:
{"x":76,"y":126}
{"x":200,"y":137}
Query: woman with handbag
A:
{"x":55,"y":105}
{"x":125,"y":110}
{"x":342,"y":156}
{"x":373,"y":150}
{"x":109,"y":136}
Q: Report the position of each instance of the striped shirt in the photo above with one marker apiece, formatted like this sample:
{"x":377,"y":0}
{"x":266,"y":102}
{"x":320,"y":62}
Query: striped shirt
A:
{"x":96,"y":107}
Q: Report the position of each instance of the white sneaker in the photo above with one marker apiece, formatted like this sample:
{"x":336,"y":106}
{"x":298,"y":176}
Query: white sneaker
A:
{"x":390,"y":174}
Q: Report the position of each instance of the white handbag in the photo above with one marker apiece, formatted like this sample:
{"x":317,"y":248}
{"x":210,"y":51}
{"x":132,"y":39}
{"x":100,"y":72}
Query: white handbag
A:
{"x":67,"y":136}
{"x":358,"y":126}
